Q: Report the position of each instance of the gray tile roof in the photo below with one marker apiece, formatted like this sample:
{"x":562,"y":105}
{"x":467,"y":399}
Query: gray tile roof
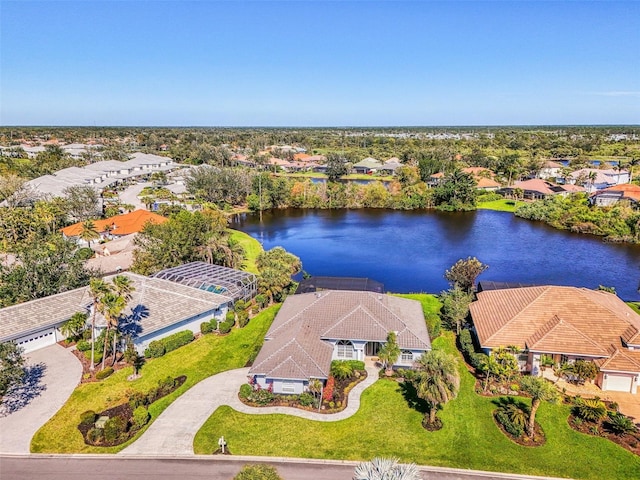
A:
{"x":155,"y":304}
{"x":295,"y":346}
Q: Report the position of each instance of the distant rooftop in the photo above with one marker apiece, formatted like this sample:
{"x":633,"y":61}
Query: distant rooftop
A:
{"x":314,"y":284}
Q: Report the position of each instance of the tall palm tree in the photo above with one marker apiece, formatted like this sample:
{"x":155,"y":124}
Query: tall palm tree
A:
{"x":97,"y":288}
{"x":111,"y":306}
{"x":540,"y":390}
{"x":124,"y":288}
{"x":89,"y":232}
{"x":438,"y":380}
{"x":386,"y":469}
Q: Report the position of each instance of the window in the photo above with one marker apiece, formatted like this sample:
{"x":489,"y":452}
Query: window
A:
{"x":406,"y":356}
{"x":344,"y":349}
{"x":288,"y":387}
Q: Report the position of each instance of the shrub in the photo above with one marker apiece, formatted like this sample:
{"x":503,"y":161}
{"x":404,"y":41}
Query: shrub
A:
{"x":114,"y":428}
{"x":341,"y":370}
{"x":355,"y":364}
{"x":225,"y":327}
{"x":245,"y":391}
{"x":95,"y":435}
{"x":84,"y":253}
{"x":332,"y":404}
{"x":243,"y":318}
{"x":88,"y":418}
{"x":137,"y":399}
{"x":591,"y":410}
{"x":502,"y":416}
{"x":206,"y":327}
{"x":261,"y":300}
{"x":154,"y":350}
{"x":261,"y":397}
{"x":327,"y":393}
{"x":620,"y":424}
{"x":514,"y":387}
{"x":165,"y":386}
{"x":231,"y":317}
{"x":177,"y":340}
{"x":306,"y":399}
{"x":140,"y":416}
{"x":83,"y":346}
{"x":102,"y":374}
{"x":258,"y":472}
{"x":97,"y":355}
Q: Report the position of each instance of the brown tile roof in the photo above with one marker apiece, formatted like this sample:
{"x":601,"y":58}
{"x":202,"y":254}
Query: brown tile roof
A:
{"x":125,"y":224}
{"x":628,"y":190}
{"x":620,"y":361}
{"x":486,"y":183}
{"x":294,"y":346}
{"x":555,"y":319}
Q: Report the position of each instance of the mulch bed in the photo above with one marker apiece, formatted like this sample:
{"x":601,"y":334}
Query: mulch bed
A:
{"x":339,"y":396}
{"x":628,"y":441}
{"x":87,"y":375}
{"x":124,"y":411}
{"x":538,"y":435}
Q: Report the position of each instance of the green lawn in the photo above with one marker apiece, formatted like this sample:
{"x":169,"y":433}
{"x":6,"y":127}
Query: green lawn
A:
{"x":635,"y":306}
{"x":200,"y":359}
{"x":251,"y":247}
{"x":386,"y":426}
{"x":504,"y":205}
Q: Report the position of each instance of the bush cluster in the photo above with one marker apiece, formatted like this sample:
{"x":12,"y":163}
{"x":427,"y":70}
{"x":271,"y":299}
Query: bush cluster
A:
{"x":226,"y":326}
{"x":327,"y":393}
{"x":502,"y":416}
{"x":141,"y":399}
{"x":261,"y":396}
{"x":102,"y":374}
{"x":141,"y":416}
{"x":245,"y":391}
{"x":88,"y":418}
{"x":83,"y":346}
{"x":208,"y":327}
{"x":306,"y":399}
{"x":468,"y":349}
{"x":258,"y":472}
{"x":157,"y":348}
{"x":114,"y":428}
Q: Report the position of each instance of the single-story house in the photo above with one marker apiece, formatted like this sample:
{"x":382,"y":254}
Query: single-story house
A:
{"x":566,"y":324}
{"x":536,"y":189}
{"x":312,"y":329}
{"x":158,"y":308}
{"x":367,"y":166}
{"x":627,"y":192}
{"x":116,"y":226}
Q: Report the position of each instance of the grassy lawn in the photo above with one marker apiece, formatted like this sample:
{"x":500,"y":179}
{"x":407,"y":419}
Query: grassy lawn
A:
{"x":504,"y":205}
{"x":635,"y":306}
{"x":251,"y":247}
{"x":200,"y":359}
{"x":386,"y":426}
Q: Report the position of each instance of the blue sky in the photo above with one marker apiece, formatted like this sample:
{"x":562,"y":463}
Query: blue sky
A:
{"x":319,"y":63}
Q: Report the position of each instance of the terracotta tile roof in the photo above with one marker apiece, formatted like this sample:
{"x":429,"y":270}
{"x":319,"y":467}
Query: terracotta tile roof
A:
{"x":295,"y":344}
{"x":535,"y":185}
{"x":620,"y":361}
{"x":125,"y":224}
{"x":486,"y":183}
{"x":628,"y":190}
{"x":555,"y":319}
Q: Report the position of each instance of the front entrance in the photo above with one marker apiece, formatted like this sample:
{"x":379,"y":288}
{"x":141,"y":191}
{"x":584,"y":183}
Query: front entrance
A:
{"x":371,"y":349}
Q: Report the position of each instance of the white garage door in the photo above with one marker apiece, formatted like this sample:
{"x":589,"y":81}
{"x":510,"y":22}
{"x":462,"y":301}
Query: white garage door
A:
{"x":38,"y":340}
{"x":619,"y":383}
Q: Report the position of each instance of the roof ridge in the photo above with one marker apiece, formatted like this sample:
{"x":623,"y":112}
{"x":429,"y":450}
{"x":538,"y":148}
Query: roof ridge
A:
{"x":615,"y":351}
{"x":553,"y":324}
{"x":309,"y":355}
{"x":522,"y":310}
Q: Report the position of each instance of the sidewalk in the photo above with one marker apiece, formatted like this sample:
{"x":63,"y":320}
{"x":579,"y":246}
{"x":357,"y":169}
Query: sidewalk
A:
{"x":174,"y":431}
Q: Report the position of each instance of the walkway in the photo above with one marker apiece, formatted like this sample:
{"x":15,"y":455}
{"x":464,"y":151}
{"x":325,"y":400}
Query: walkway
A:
{"x":174,"y":430}
{"x":130,"y":195}
{"x":52,"y":375}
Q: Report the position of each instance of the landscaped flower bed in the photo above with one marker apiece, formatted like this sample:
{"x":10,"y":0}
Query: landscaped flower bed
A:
{"x":334,"y":395}
{"x":118,"y":424}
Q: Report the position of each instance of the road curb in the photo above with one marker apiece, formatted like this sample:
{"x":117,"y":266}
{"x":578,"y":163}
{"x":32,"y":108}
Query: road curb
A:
{"x":291,"y":460}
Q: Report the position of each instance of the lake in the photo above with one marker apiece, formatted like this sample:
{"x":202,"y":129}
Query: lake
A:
{"x":409,"y":251}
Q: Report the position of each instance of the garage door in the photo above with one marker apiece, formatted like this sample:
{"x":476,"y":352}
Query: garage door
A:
{"x":37,"y":340}
{"x":619,"y":383}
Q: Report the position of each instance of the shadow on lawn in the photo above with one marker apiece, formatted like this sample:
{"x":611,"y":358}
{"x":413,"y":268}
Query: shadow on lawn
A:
{"x":410,"y":394}
{"x":30,"y":388}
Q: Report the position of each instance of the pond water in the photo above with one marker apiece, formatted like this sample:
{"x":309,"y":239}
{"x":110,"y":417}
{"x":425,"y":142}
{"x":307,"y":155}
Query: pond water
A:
{"x":410,"y":251}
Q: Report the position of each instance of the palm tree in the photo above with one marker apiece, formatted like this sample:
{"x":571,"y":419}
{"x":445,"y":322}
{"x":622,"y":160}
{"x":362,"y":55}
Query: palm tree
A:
{"x":97,"y":288}
{"x":73,"y":327}
{"x":540,"y":390}
{"x":438,"y":380}
{"x":386,"y":469}
{"x":89,"y":232}
{"x":389,"y":352}
{"x":489,"y":366}
{"x":123,"y":287}
{"x":111,"y":306}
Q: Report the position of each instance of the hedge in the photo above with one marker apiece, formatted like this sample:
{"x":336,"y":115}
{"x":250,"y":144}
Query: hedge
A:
{"x":102,"y":374}
{"x":157,"y":348}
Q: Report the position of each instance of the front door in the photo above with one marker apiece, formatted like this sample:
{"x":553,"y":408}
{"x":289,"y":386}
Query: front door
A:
{"x":372,"y":349}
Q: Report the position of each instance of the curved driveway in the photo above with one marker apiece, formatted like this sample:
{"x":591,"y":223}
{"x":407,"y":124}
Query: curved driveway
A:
{"x":52,"y":375}
{"x":174,"y":430}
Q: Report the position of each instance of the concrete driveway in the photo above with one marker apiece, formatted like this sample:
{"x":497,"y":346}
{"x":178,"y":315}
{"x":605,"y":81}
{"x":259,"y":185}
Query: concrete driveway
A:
{"x":130,"y":195}
{"x":52,"y":375}
{"x":628,"y":403}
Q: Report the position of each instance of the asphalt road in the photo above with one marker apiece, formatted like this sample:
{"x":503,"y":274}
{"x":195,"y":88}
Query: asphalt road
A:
{"x":110,"y":467}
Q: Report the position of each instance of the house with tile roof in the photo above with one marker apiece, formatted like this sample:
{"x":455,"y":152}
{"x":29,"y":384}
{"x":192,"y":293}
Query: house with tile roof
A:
{"x":313,"y":329}
{"x":627,"y":192}
{"x":117,"y":226}
{"x":566,"y":324}
{"x":536,"y":189}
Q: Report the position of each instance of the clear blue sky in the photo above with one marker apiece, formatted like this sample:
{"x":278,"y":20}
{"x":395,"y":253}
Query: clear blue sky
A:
{"x":319,"y":63}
